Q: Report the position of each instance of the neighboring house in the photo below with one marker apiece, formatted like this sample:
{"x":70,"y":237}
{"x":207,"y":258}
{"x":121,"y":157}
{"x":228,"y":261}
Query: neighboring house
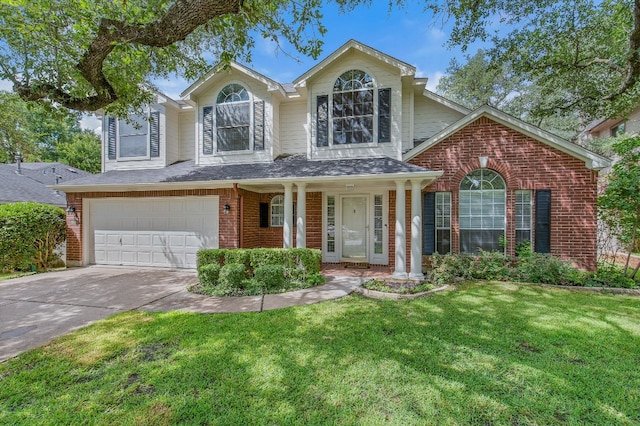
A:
{"x":33,"y":181}
{"x":611,"y":127}
{"x":355,"y":158}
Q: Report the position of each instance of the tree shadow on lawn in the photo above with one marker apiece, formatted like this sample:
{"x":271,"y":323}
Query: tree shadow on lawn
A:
{"x":488,"y":353}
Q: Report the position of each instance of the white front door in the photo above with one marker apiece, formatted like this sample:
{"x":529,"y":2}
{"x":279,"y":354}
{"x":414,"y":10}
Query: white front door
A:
{"x":355,"y":227}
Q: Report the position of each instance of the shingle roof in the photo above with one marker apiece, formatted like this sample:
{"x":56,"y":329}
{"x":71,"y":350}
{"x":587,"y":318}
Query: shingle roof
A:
{"x":291,"y":167}
{"x":31,"y":183}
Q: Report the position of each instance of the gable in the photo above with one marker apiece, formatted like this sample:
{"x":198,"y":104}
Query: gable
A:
{"x":590,"y":159}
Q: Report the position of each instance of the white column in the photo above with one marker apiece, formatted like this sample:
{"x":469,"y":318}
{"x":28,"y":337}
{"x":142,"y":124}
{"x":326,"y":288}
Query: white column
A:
{"x":416,"y":231}
{"x":287,"y":228}
{"x":401,"y":238}
{"x":301,"y":224}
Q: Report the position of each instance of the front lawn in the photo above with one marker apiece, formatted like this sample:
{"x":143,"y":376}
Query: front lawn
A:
{"x":489,"y":353}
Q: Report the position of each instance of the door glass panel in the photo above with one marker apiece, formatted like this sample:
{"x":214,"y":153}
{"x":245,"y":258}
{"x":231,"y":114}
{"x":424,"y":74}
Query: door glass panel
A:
{"x":354,"y":232}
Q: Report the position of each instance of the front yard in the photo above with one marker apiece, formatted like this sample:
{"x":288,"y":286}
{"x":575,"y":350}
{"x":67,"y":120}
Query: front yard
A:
{"x":489,"y":353}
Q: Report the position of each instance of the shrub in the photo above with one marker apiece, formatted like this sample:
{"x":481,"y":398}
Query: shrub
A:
{"x":542,"y":269}
{"x":310,"y":260}
{"x":490,"y":265}
{"x":448,"y":268}
{"x":609,"y":275}
{"x":29,"y":235}
{"x":266,"y":256}
{"x":270,"y":277}
{"x":210,"y":256}
{"x":232,"y":275}
{"x":238,"y":256}
{"x":209,"y":275}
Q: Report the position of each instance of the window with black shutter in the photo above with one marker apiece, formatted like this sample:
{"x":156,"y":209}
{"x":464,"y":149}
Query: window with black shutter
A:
{"x":543,"y":221}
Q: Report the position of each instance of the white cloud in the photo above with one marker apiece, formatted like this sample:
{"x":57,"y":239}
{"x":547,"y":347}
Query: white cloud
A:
{"x":433,"y":79}
{"x":6,"y":85}
{"x":91,"y":122}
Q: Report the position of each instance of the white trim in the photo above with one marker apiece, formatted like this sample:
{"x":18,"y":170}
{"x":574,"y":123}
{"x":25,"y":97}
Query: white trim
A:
{"x":592,"y":160}
{"x":426,"y":177}
{"x":446,"y":102}
{"x":404,"y":68}
{"x":218,"y":70}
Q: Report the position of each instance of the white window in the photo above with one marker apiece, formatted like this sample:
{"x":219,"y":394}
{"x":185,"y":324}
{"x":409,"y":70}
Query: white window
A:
{"x":136,"y":137}
{"x":233,"y":112}
{"x":618,"y":129}
{"x":352,"y":111}
{"x":443,"y":222}
{"x":482,"y":211}
{"x":277,"y":210}
{"x":523,"y":217}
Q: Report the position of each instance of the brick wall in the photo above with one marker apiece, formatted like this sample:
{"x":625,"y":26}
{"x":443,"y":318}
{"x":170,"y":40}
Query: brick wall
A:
{"x":524,"y":163}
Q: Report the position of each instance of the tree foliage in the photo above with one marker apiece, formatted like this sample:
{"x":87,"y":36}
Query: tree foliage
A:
{"x":582,"y":55}
{"x":620,"y":202}
{"x":478,"y":81}
{"x":29,"y":235}
{"x":87,"y":55}
{"x":41,"y":132}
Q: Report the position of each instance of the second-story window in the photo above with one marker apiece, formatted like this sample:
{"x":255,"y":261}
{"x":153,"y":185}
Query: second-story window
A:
{"x":353,"y":108}
{"x":234,"y":123}
{"x":134,"y":137}
{"x":352,"y":111}
{"x":233,"y":112}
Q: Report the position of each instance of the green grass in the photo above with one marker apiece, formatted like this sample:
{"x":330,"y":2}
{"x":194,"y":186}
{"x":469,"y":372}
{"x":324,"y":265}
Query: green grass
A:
{"x":9,"y":275}
{"x":490,"y":353}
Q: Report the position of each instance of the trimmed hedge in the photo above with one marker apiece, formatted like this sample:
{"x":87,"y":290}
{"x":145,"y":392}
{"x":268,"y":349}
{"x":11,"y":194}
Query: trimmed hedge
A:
{"x":256,"y":271}
{"x":29,"y":235}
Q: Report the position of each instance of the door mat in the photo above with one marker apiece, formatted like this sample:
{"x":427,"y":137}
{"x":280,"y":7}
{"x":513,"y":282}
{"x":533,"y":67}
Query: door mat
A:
{"x":356,"y":265}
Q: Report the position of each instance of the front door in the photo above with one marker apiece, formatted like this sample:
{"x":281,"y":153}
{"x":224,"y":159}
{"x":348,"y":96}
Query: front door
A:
{"x":354,"y":227}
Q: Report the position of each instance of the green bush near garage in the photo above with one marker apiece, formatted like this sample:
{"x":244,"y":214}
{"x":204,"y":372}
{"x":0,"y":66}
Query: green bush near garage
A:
{"x":243,"y":272}
{"x":30,"y":233}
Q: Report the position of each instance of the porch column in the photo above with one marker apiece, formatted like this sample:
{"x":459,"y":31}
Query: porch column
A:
{"x":301,"y":225}
{"x":287,"y":228}
{"x":401,"y":238}
{"x":416,"y":231}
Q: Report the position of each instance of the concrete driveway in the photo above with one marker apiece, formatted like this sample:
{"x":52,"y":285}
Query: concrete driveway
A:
{"x":38,"y":308}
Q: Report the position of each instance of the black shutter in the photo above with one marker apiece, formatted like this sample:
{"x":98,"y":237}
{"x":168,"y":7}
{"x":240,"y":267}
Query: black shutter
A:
{"x":543,"y":221}
{"x":429,"y":223}
{"x":154,"y":137}
{"x":258,"y":126}
{"x":207,"y":130}
{"x":322,"y":121}
{"x":384,"y":115}
{"x":111,"y":138}
{"x":264,"y":215}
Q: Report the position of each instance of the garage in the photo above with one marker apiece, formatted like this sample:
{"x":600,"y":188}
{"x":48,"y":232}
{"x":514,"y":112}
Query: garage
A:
{"x":165,"y":232}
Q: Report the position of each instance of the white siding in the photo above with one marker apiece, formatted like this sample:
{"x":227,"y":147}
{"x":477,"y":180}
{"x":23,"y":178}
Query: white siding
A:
{"x":187,"y":136}
{"x":293,"y":127}
{"x":384,"y":76}
{"x":407,"y":118}
{"x":172,"y":139}
{"x":430,"y":117}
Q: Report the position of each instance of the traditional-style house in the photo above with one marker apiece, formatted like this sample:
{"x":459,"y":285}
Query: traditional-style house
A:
{"x":355,"y":158}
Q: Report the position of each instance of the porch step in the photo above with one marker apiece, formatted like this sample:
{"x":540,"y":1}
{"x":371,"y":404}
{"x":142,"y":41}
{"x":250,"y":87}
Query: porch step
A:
{"x":357,"y":265}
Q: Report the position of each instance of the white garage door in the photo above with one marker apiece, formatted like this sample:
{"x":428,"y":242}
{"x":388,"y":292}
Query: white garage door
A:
{"x":153,"y":231}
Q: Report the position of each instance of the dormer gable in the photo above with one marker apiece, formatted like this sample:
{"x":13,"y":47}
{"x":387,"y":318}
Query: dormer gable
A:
{"x":404,"y":69}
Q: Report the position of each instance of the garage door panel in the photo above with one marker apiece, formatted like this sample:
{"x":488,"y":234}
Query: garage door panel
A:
{"x":154,"y":232}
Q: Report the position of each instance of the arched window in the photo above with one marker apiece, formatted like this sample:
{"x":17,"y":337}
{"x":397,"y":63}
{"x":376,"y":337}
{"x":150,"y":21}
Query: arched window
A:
{"x":233,"y":117}
{"x":482,"y":211}
{"x":353,"y":108}
{"x":277,"y":210}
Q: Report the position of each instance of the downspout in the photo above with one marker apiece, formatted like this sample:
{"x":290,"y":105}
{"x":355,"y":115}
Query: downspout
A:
{"x":240,"y":215}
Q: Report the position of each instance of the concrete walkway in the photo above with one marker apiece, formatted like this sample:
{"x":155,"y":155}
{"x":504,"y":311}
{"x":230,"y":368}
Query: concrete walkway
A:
{"x":38,"y":308}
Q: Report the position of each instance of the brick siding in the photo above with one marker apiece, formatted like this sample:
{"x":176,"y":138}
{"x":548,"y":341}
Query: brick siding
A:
{"x":524,"y":163}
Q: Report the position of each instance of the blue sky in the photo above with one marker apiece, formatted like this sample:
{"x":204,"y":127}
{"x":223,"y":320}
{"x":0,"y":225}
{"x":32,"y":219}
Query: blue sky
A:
{"x":409,"y":34}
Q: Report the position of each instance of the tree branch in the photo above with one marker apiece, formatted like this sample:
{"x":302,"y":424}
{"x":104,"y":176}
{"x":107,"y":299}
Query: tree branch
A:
{"x":180,"y":20}
{"x":633,"y":61}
